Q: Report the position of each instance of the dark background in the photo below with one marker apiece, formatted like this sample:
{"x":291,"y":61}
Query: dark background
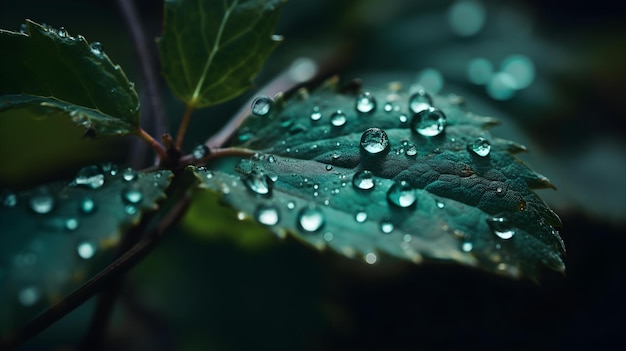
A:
{"x":219,"y":293}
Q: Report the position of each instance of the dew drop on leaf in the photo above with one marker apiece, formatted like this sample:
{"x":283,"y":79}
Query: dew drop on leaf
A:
{"x":401,"y":194}
{"x":360,"y":216}
{"x":111,"y":168}
{"x":132,"y":196}
{"x":480,"y":147}
{"x":86,"y":249}
{"x":259,"y":183}
{"x":96,"y":48}
{"x":338,"y":118}
{"x":374,"y":141}
{"x":71,"y":224}
{"x":291,"y":205}
{"x":316,"y":114}
{"x":267,"y":215}
{"x":365,"y":103}
{"x":420,"y":101}
{"x":90,"y":177}
{"x":386,"y":227}
{"x":129,"y":175}
{"x":501,"y":227}
{"x":363,"y":180}
{"x":388,"y":107}
{"x":130,"y":210}
{"x":467,"y":246}
{"x":42,"y":204}
{"x":261,"y":106}
{"x":411,"y":149}
{"x":429,"y":122}
{"x":200,"y":151}
{"x":310,"y":219}
{"x":87,"y":205}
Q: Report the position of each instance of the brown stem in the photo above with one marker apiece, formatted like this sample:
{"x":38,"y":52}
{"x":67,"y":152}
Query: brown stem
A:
{"x":155,"y":145}
{"x":184,"y":124}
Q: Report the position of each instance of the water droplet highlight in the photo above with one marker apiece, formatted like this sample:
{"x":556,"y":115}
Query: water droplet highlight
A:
{"x":200,"y":151}
{"x":365,"y":103}
{"x":71,"y":224}
{"x":259,"y":183}
{"x":311,"y":219}
{"x":386,"y":227}
{"x":363,"y":180}
{"x":338,"y":118}
{"x":90,"y":177}
{"x":360,"y":216}
{"x":429,"y":122}
{"x":316,"y":114}
{"x":501,"y":227}
{"x":42,"y":204}
{"x":467,"y":246}
{"x":267,"y":215}
{"x":86,"y":250}
{"x":480,"y":147}
{"x":96,"y":48}
{"x":129,"y":175}
{"x":261,"y":106}
{"x":420,"y":101}
{"x":132,"y":196}
{"x":401,"y":194}
{"x":374,"y":141}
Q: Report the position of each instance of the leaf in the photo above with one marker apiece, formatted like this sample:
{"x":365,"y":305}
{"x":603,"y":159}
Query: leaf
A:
{"x":53,"y":237}
{"x":211,"y":50}
{"x":424,"y":196}
{"x":49,"y":70}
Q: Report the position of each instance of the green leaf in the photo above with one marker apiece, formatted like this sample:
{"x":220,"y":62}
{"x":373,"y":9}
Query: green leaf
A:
{"x":54,"y":237}
{"x":211,"y":50}
{"x":49,"y":70}
{"x":432,"y":196}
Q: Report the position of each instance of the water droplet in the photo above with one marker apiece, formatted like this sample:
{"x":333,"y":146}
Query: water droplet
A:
{"x":480,"y":147}
{"x":440,"y":204}
{"x":291,"y":205}
{"x":86,"y":249}
{"x":361,"y":216}
{"x":261,"y":106}
{"x":365,"y":103}
{"x":200,"y":151}
{"x":42,"y":204}
{"x":111,"y":168}
{"x":388,"y":107}
{"x":267,"y":215}
{"x":386,"y":227}
{"x":374,"y":141}
{"x":130,"y":210}
{"x":129,"y":175}
{"x":259,"y":183}
{"x":29,"y":295}
{"x":329,"y":167}
{"x":311,"y":219}
{"x":371,"y":258}
{"x":62,"y":33}
{"x":401,"y":194}
{"x":501,"y":227}
{"x":96,"y":48}
{"x":363,"y":180}
{"x":411,"y":149}
{"x":90,"y":177}
{"x":429,"y":122}
{"x":420,"y":101}
{"x":132,"y":196}
{"x":316,"y":114}
{"x":467,"y":246}
{"x":8,"y":199}
{"x":271,"y":159}
{"x":71,"y":224}
{"x":403,"y":118}
{"x":241,"y":216}
{"x":338,"y":118}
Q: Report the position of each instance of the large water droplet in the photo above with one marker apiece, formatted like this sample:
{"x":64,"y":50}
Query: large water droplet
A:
{"x":87,"y":205}
{"x":429,"y":122}
{"x":200,"y":151}
{"x":363,"y":180}
{"x":386,"y":227}
{"x":259,"y":183}
{"x":411,"y":149}
{"x":261,"y":106}
{"x":374,"y":141}
{"x":267,"y":215}
{"x":96,"y":48}
{"x":360,"y":216}
{"x":401,"y":194}
{"x":129,"y":175}
{"x":90,"y":177}
{"x":86,"y":249}
{"x":132,"y":196}
{"x":501,"y":227}
{"x":8,"y":199}
{"x":480,"y":147}
{"x":365,"y":103}
{"x":338,"y":118}
{"x":311,"y":219}
{"x":42,"y":204}
{"x":420,"y":101}
{"x":316,"y":114}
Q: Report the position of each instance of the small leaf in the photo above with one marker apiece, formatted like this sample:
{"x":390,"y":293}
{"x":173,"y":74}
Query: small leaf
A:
{"x":211,"y":50}
{"x":50,"y":70}
{"x":54,"y":237}
{"x":402,"y":178}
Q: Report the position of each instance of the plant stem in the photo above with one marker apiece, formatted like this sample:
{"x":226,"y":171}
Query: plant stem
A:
{"x":184,"y":124}
{"x":155,"y":145}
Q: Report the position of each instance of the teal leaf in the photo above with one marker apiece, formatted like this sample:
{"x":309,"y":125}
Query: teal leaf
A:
{"x":54,"y":237}
{"x":367,"y":180}
{"x":211,"y":50}
{"x":50,"y":71}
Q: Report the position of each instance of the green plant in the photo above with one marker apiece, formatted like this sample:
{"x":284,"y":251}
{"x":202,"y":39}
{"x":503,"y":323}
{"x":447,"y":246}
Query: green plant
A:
{"x":363,"y":170}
